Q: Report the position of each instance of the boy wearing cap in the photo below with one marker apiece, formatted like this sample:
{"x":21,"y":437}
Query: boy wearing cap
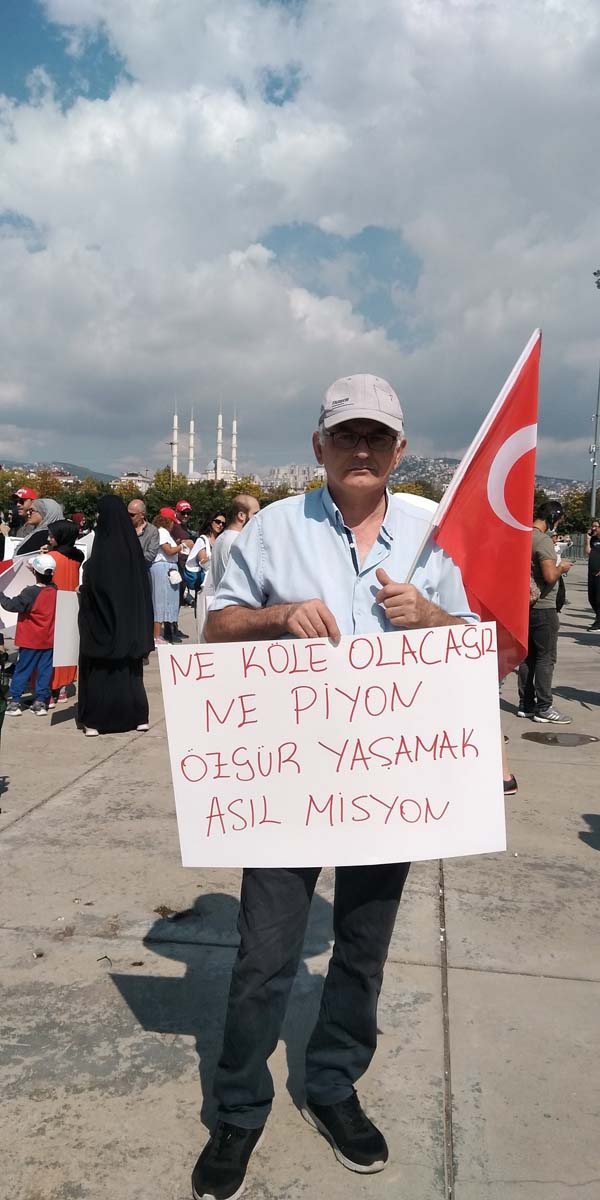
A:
{"x":327,"y":563}
{"x":36,"y":608}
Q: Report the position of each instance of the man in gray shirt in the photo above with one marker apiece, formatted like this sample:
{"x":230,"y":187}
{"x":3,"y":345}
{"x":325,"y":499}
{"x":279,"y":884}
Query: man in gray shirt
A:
{"x":535,"y":674}
{"x":148,"y":534}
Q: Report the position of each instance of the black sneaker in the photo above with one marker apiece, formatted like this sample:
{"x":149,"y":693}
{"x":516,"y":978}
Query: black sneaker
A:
{"x":511,"y":786}
{"x":355,"y":1140}
{"x":221,"y":1169}
{"x":39,"y":709}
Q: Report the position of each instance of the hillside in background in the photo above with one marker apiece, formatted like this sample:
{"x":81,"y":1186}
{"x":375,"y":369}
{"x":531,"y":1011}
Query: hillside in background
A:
{"x":439,"y":472}
{"x":68,"y":468}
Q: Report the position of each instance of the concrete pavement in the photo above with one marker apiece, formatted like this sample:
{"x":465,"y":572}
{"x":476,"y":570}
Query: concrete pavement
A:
{"x":115,"y":965}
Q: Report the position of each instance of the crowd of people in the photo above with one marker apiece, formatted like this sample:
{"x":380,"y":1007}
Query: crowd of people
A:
{"x":131,"y":588}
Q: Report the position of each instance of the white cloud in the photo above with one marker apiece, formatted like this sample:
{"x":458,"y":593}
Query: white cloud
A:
{"x":469,"y":127}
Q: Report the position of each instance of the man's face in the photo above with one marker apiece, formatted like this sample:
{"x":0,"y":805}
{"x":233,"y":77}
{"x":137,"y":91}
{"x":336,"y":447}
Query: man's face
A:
{"x":183,"y":517}
{"x":23,"y":507}
{"x":136,"y":514}
{"x":365,"y":466}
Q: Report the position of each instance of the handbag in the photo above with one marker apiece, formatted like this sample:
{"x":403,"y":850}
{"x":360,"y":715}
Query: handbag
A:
{"x":174,"y":576}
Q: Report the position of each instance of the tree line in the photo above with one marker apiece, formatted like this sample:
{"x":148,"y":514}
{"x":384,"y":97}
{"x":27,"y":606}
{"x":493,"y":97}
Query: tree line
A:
{"x":207,"y":497}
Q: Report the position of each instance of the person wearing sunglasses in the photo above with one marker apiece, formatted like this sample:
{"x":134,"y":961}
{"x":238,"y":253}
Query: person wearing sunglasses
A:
{"x":323,"y":564}
{"x":198,"y":559}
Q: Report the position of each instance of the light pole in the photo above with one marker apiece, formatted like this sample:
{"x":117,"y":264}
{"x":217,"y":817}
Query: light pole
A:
{"x":594,"y":446}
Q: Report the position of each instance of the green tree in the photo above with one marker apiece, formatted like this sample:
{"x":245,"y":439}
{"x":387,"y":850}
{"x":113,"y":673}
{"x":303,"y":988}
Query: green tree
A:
{"x":577,"y":510}
{"x":10,"y":480}
{"x":127,"y":491}
{"x":165,"y":492}
{"x":281,"y":492}
{"x":419,"y":487}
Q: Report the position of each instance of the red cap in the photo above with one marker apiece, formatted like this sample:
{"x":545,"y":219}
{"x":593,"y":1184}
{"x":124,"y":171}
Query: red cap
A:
{"x":183,"y":506}
{"x":26,"y":494}
{"x":168,"y":512}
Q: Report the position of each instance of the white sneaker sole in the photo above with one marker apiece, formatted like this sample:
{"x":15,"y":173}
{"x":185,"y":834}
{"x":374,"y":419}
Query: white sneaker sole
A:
{"x":234,"y":1195}
{"x":360,"y":1168}
{"x":553,"y":721}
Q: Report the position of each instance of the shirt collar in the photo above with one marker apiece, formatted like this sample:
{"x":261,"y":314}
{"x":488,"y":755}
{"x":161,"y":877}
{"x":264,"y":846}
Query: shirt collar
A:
{"x":336,"y":517}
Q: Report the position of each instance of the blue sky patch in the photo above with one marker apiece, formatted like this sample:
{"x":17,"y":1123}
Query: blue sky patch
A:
{"x":28,"y":40}
{"x":375,"y":269}
{"x":280,"y":86}
{"x":15,"y":225}
{"x":295,"y":7}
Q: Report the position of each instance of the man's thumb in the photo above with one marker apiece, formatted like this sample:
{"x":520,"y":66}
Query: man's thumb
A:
{"x":382,"y":576}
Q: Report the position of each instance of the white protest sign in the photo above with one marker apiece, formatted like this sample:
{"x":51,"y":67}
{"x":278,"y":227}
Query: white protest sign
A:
{"x":12,"y":581}
{"x":66,"y":630}
{"x":385,"y":748}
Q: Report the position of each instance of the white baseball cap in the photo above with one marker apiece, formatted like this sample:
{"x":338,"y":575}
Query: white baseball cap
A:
{"x":362,"y":396}
{"x":43,"y":564}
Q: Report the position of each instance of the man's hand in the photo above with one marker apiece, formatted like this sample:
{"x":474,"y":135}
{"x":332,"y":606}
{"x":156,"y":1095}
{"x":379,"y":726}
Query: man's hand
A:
{"x":404,"y":605}
{"x":311,"y":619}
{"x":565,"y":566}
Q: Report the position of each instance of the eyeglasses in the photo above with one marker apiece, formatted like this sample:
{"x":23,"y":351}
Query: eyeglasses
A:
{"x":217,"y":522}
{"x":348,"y":439}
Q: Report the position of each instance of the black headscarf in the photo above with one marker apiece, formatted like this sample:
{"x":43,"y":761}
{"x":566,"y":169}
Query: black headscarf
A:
{"x":66,"y":534}
{"x":115,"y":615}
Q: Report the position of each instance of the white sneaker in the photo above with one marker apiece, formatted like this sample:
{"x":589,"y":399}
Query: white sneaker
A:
{"x":91,"y":732}
{"x":142,"y":728}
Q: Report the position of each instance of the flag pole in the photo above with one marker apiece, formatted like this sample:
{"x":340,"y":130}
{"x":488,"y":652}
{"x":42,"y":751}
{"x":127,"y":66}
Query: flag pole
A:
{"x":467,"y":458}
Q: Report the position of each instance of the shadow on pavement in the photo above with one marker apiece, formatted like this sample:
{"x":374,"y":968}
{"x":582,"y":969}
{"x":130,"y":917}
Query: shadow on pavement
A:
{"x":204,"y":938}
{"x":591,"y":837}
{"x":586,"y":699}
{"x":60,"y":715}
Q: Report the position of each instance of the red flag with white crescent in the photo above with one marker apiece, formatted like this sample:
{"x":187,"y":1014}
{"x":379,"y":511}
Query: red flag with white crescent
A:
{"x":484,"y":521}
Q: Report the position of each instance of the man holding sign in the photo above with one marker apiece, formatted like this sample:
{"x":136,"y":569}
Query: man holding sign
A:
{"x":327,"y":563}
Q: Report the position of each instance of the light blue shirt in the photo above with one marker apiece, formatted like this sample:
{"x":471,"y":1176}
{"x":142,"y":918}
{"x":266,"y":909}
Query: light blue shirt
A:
{"x":299,"y":549}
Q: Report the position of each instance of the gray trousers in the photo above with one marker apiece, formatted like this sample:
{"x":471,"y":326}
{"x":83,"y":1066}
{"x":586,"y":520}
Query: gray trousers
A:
{"x":535,"y":674}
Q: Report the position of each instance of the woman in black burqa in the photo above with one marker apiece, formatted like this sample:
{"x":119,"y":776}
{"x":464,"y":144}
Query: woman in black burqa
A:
{"x":115,"y":626}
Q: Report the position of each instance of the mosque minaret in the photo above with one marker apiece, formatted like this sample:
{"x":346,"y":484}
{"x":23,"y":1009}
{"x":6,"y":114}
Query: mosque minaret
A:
{"x":220,"y":468}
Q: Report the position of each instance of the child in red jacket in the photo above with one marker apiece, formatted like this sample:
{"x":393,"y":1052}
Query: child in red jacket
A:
{"x":36,"y":606}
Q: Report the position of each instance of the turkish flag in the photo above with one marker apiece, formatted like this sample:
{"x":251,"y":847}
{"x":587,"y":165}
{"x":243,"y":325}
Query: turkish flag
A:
{"x":484,"y":521}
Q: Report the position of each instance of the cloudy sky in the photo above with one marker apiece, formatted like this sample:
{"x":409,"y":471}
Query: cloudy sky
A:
{"x":233,"y":202}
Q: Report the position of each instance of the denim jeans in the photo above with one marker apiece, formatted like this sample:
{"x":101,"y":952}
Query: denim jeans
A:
{"x":535,"y":674}
{"x":28,"y":662}
{"x":272,"y":921}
